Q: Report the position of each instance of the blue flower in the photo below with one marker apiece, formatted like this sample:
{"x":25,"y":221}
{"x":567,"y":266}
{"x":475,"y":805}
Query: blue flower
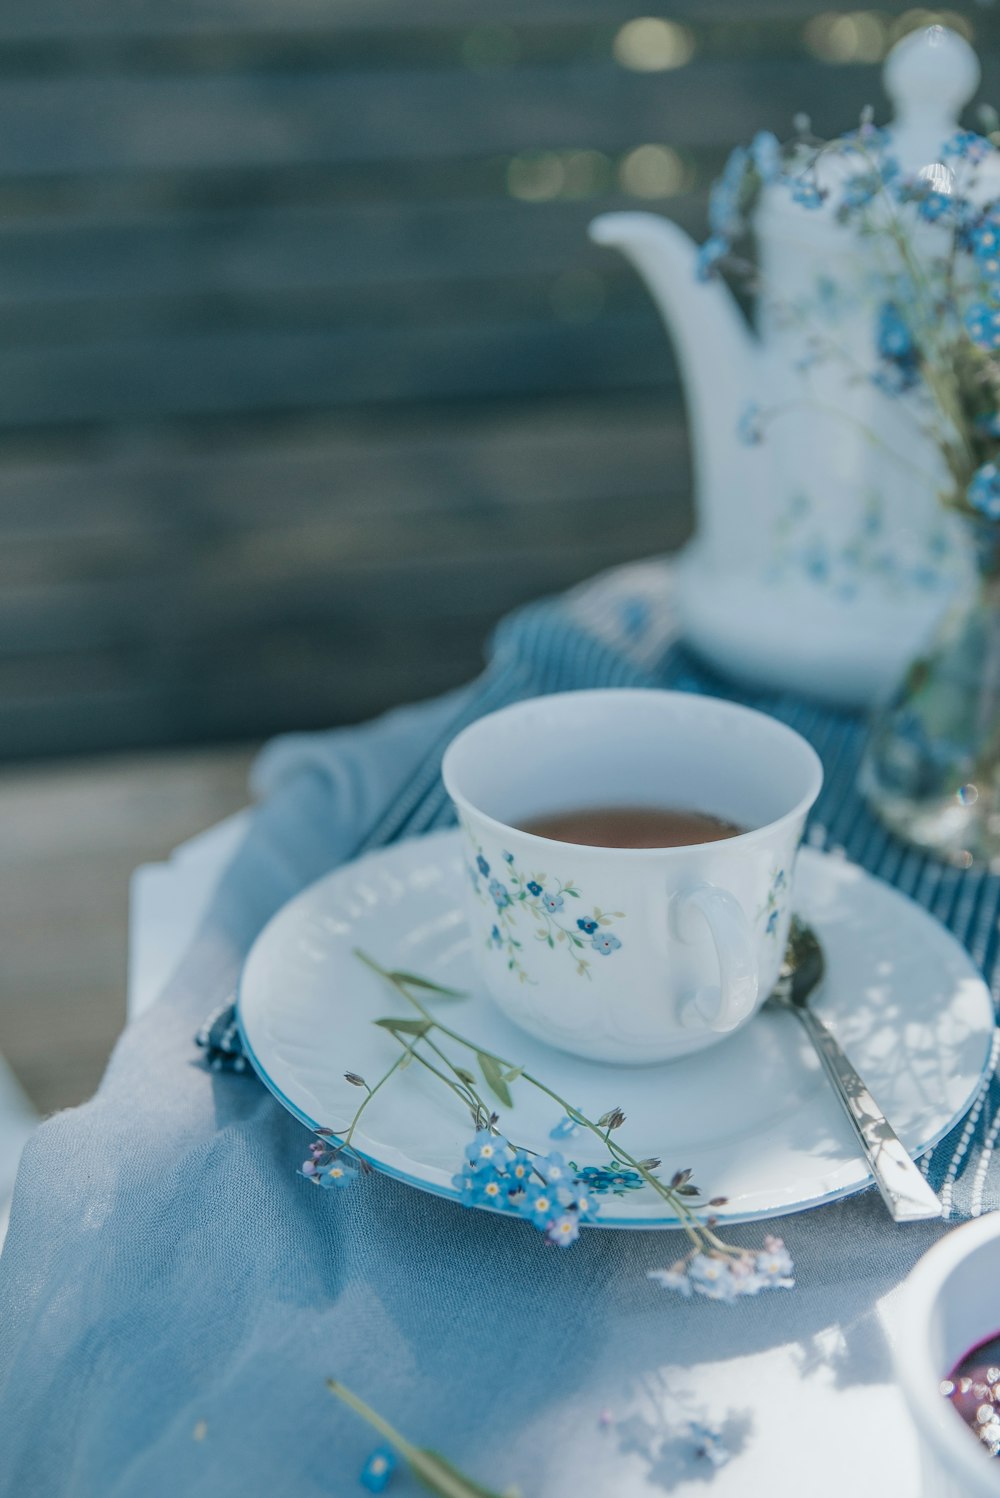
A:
{"x":553,"y":1170}
{"x":539,"y":1206}
{"x":896,"y":347}
{"x":378,"y":1469}
{"x":934,"y":206}
{"x":564,"y":1228}
{"x":715,"y":249}
{"x":566,"y":1127}
{"x":552,"y":903}
{"x":508,"y":858}
{"x":982,"y":324}
{"x":499,"y":893}
{"x":807,"y":193}
{"x":967,"y":146}
{"x":749,"y":428}
{"x":487,"y":1190}
{"x":895,"y":341}
{"x":779,"y":879}
{"x":520,"y":1171}
{"x":984,"y":239}
{"x":772,"y":923}
{"x":725,"y":203}
{"x":711,"y":1276}
{"x":339,"y":1173}
{"x":496,"y":937}
{"x":585,"y":923}
{"x":774,"y":1265}
{"x":765,"y":150}
{"x":983,"y":493}
{"x":482,"y":865}
{"x":582,"y":1202}
{"x":534,"y":887}
{"x":487,"y":1149}
{"x":605,"y":943}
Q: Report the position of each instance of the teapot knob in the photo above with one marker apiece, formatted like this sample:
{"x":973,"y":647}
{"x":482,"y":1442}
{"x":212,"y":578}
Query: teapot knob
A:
{"x":929,"y":76}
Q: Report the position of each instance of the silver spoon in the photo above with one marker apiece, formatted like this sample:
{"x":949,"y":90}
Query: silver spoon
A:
{"x":904,"y":1190}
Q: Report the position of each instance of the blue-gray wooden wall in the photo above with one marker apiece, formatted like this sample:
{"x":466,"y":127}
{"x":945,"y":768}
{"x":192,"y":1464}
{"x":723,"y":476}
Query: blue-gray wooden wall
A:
{"x":307,"y":370}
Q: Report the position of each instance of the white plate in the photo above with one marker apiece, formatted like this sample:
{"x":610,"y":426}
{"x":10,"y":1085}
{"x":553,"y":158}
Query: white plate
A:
{"x":752,"y":1116}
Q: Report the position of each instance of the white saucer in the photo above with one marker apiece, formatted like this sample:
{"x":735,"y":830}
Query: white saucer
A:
{"x":752,"y":1116}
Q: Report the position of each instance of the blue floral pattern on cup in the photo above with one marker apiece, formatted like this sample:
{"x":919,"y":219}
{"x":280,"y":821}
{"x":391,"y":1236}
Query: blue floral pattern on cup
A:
{"x":773,"y":908}
{"x":518,"y":899}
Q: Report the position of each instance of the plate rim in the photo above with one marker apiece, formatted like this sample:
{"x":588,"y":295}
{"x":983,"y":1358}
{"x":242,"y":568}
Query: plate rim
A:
{"x":865,"y":1181}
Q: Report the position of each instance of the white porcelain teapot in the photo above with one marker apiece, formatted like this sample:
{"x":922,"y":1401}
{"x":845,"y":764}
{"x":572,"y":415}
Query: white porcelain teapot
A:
{"x":822,"y":557}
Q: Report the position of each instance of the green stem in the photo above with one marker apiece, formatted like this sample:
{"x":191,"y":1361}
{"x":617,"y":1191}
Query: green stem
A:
{"x":402,"y":1445}
{"x":400,"y":1060}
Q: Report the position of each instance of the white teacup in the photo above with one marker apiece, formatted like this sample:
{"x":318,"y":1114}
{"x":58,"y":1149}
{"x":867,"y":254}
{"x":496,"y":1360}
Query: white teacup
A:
{"x":948,"y":1305}
{"x":626,"y":954}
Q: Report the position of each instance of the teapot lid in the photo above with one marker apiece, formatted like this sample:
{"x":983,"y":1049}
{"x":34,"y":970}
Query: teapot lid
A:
{"x":929,"y":75}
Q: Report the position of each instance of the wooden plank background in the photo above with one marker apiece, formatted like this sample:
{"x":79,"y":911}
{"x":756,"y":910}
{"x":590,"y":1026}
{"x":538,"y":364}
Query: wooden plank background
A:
{"x":308,"y":372}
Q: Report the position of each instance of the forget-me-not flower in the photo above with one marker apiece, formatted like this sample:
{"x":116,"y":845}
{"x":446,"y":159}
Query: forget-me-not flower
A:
{"x":982,"y":323}
{"x":553,"y":903}
{"x":337,"y":1174}
{"x":605,"y":943}
{"x":378,"y":1469}
{"x":725,"y":201}
{"x":564,"y":1228}
{"x":934,"y":206}
{"x":807,"y":193}
{"x":710,"y":1276}
{"x":983,"y":492}
{"x":714,"y":250}
{"x":966,"y":145}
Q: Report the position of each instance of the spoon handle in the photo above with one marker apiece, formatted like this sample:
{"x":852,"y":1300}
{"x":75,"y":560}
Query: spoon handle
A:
{"x":904,"y":1190}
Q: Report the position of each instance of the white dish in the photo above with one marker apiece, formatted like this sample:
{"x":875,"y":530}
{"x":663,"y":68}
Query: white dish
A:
{"x":753,"y":1117}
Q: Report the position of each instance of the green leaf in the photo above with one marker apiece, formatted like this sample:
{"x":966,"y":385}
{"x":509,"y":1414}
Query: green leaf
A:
{"x":494,"y":1079}
{"x":513,"y":1074}
{"x":405,"y":1026}
{"x":569,"y":890}
{"x":415,"y":981}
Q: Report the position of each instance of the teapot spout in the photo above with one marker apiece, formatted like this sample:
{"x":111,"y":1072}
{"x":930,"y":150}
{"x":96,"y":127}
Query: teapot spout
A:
{"x":717,"y":355}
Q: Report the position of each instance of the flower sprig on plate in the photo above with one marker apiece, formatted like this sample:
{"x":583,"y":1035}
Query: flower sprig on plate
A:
{"x":556,"y":1196}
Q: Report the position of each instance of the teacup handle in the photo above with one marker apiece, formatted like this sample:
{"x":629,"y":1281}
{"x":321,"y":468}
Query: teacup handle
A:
{"x":719,"y":1008}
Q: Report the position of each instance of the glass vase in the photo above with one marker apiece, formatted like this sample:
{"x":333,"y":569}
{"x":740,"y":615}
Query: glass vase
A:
{"x":931,"y":770}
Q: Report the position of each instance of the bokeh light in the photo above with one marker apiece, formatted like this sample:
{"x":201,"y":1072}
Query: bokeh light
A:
{"x":649,"y":44}
{"x":652,"y":171}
